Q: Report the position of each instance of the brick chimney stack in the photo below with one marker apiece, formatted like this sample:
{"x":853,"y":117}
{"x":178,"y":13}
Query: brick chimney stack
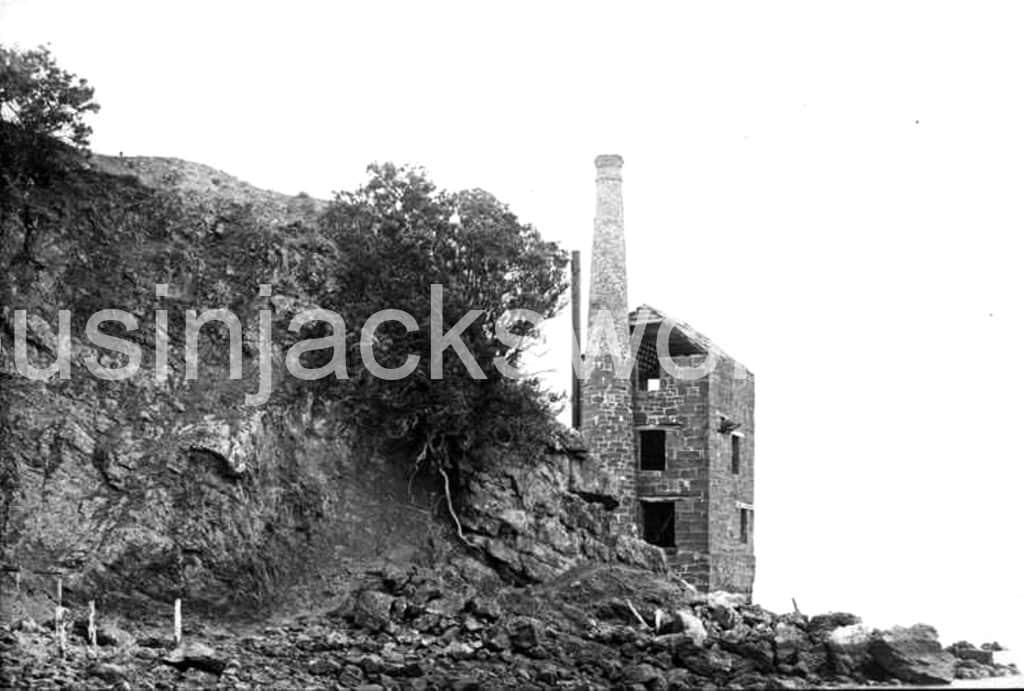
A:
{"x":607,"y":401}
{"x":608,"y":253}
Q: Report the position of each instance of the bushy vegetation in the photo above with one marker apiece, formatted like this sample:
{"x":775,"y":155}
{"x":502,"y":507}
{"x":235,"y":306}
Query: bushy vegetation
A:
{"x":42,"y":129}
{"x":42,"y":112}
{"x":398,"y":236}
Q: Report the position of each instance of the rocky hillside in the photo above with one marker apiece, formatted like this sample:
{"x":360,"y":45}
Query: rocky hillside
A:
{"x":146,"y":489}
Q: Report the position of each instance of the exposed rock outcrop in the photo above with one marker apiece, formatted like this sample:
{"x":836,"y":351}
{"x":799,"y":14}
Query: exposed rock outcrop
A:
{"x":914,"y":655}
{"x":521,"y":514}
{"x":153,"y":487}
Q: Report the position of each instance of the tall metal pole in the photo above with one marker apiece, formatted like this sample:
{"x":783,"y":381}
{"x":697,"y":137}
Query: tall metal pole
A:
{"x":577,"y":401}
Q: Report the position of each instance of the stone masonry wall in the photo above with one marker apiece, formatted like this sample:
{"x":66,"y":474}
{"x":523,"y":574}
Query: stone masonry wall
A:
{"x":681,"y":409}
{"x":731,"y":391}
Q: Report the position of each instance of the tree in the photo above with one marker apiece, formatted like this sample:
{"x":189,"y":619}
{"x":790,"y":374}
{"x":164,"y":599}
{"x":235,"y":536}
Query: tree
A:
{"x":41,"y":107}
{"x":399,"y":235}
{"x":42,"y":133}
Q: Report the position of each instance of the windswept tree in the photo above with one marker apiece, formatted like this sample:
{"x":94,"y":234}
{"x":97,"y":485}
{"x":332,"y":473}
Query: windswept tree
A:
{"x":402,"y":241}
{"x":42,"y":131}
{"x":41,"y":107}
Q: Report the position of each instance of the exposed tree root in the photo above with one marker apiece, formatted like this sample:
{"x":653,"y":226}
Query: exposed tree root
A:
{"x":451,"y":509}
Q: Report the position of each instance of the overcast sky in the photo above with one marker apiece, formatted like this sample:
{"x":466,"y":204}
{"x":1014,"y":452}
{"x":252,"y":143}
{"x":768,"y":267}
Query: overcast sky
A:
{"x":833,"y":194}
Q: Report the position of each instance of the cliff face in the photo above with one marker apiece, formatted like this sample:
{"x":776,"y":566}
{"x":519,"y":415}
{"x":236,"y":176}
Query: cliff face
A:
{"x":175,"y":488}
{"x":142,"y":486}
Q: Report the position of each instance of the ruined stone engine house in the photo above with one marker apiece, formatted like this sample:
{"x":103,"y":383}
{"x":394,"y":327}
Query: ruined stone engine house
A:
{"x":677,"y":454}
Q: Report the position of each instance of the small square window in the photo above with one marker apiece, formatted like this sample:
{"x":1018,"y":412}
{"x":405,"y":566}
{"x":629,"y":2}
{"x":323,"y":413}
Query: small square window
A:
{"x":652,"y":449}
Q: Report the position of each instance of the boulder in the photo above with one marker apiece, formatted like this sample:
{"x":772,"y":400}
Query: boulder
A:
{"x":913,"y":655}
{"x":813,"y":660}
{"x":725,"y":616}
{"x":789,"y":640}
{"x":679,"y":679}
{"x":195,"y":656}
{"x":755,"y":652}
{"x":705,"y":662}
{"x":106,"y":634}
{"x":823,"y":623}
{"x":969,"y":669}
{"x":644,"y":674}
{"x":108,"y":672}
{"x":848,"y":648}
{"x":692,"y":626}
{"x":721,"y":598}
{"x":372,"y":610}
{"x":673,"y":642}
{"x":524,"y":633}
{"x":966,"y":651}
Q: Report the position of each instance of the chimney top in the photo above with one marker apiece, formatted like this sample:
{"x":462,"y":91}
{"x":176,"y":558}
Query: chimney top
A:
{"x":608,"y":161}
{"x":609,"y":167}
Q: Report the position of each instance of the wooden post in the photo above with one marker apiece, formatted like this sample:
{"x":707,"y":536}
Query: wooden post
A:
{"x":92,"y":623}
{"x":58,"y":629}
{"x":177,"y":622}
{"x":60,"y":592}
{"x":576,"y":390}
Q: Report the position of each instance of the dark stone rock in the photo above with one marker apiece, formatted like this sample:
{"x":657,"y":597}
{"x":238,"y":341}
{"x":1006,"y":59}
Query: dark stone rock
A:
{"x":324,"y":667}
{"x":372,"y":610}
{"x":108,"y":672}
{"x":447,"y":606}
{"x":813,"y":660}
{"x":643,"y":674}
{"x":913,"y":655}
{"x":548,"y":674}
{"x":486,"y":609}
{"x":823,"y":623}
{"x":524,"y":633}
{"x":755,"y":614}
{"x":726,"y":617}
{"x":106,"y":635}
{"x":426,"y":622}
{"x":28,"y":625}
{"x":675,"y":643}
{"x":680,"y":679}
{"x":758,"y":651}
{"x":195,"y":656}
{"x":705,"y":662}
{"x":371,"y":664}
{"x":971,"y":669}
{"x":848,"y":648}
{"x":498,"y":640}
{"x":749,"y":680}
{"x":789,"y":640}
{"x":966,"y":651}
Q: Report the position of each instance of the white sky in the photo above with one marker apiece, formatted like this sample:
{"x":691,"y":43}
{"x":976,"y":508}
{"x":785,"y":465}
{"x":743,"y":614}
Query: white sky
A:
{"x":832,"y":193}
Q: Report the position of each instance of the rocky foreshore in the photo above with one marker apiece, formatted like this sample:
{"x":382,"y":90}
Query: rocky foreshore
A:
{"x":409,"y":628}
